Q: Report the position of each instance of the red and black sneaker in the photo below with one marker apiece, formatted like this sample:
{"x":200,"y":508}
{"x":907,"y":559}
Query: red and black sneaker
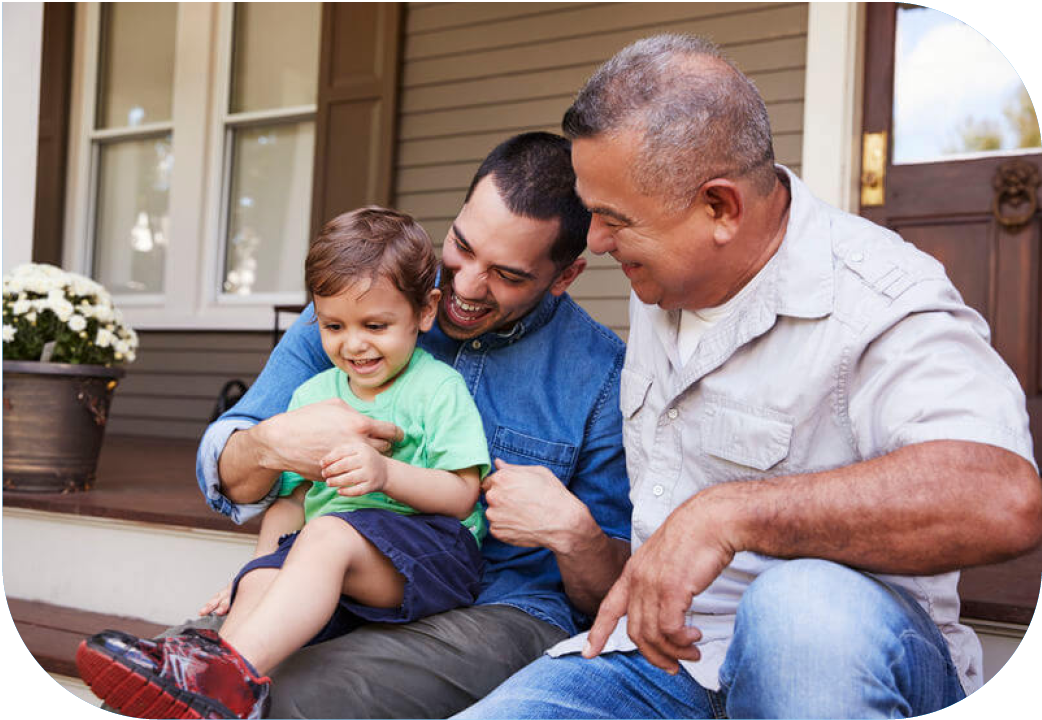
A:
{"x":192,"y":675}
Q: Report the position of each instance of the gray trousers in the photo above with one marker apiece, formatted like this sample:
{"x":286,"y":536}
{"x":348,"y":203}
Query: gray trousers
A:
{"x":430,"y":668}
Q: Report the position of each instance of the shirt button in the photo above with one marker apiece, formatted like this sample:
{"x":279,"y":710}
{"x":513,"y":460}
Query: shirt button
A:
{"x":857,"y":257}
{"x":710,"y":412}
{"x":673,"y":413}
{"x":658,"y":490}
{"x":476,"y":344}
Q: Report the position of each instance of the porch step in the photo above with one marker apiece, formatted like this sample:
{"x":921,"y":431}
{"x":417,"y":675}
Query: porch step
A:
{"x":52,"y":633}
{"x":142,"y":543}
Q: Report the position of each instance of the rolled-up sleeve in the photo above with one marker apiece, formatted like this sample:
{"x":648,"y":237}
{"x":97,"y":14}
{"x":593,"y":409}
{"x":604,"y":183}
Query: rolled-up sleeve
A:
{"x":296,"y":358}
{"x":929,"y":373}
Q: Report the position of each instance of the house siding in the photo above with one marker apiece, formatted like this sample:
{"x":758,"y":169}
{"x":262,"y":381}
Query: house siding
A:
{"x":171,"y":389}
{"x":472,"y":75}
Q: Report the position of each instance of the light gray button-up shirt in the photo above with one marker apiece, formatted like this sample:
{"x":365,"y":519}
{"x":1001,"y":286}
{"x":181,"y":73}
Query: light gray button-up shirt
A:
{"x":851,"y":344}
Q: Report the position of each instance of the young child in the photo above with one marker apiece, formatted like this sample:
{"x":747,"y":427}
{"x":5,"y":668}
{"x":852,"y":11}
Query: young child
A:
{"x":384,"y":539}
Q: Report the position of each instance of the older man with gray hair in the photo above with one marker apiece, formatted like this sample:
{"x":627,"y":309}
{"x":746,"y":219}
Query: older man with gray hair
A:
{"x":818,"y":434}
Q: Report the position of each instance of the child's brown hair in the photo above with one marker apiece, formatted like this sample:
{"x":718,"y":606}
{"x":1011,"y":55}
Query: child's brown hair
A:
{"x":369,"y":242}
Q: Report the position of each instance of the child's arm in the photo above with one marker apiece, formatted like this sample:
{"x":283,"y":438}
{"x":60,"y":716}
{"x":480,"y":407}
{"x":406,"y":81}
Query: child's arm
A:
{"x":285,"y":515}
{"x":358,"y":469}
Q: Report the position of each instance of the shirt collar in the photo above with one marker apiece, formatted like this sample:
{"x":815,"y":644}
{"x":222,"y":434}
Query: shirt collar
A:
{"x":536,"y":318}
{"x":797,"y":281}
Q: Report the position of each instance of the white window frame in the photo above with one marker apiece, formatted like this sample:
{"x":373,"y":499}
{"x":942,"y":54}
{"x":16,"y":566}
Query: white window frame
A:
{"x":202,"y":130}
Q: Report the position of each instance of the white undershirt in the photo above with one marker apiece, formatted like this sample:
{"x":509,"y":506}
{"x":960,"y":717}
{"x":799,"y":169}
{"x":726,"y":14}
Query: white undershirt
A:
{"x":694,"y":324}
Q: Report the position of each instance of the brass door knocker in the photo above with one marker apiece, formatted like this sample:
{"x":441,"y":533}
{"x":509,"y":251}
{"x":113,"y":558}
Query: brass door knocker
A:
{"x":1016,"y":182}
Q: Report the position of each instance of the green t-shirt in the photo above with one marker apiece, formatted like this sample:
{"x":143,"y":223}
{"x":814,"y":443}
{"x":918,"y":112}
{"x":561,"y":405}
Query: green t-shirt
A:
{"x":429,"y":401}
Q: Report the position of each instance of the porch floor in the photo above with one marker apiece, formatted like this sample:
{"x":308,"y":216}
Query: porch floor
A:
{"x":149,"y":480}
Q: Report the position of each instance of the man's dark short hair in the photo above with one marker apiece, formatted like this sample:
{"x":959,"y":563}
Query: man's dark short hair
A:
{"x":533,"y":174}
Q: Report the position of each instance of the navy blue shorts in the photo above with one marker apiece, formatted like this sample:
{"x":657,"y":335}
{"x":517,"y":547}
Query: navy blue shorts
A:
{"x":437,"y":556}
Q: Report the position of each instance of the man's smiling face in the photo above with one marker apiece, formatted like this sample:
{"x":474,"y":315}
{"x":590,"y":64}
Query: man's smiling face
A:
{"x":496,"y":266}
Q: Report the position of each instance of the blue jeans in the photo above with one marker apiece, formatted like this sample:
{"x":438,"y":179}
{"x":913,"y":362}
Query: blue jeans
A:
{"x":812,"y":639}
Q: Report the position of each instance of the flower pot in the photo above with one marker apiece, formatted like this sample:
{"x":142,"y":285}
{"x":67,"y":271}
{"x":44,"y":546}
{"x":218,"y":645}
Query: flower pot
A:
{"x":54,"y":422}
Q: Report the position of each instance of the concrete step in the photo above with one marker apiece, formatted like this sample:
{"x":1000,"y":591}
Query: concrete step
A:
{"x":160,"y":573}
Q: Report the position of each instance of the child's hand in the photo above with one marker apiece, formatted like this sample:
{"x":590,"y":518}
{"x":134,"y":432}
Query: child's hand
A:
{"x":355,"y":468}
{"x":219,"y":603}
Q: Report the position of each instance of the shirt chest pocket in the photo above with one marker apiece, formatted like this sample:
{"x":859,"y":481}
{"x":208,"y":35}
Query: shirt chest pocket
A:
{"x":522,"y":449}
{"x":755,"y":437}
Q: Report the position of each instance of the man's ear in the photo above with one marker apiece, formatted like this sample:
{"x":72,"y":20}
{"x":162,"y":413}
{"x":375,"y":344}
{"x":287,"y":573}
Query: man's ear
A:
{"x":567,"y":276}
{"x":725,"y":205}
{"x":430,"y":310}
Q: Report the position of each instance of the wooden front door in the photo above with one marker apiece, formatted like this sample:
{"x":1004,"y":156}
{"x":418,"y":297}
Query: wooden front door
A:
{"x":959,"y":182}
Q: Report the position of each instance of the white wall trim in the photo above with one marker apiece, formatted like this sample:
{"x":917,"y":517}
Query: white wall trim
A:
{"x":832,"y":102}
{"x":23,"y":47}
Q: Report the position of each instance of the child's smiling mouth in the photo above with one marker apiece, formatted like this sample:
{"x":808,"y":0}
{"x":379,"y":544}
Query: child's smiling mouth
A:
{"x":364,"y":366}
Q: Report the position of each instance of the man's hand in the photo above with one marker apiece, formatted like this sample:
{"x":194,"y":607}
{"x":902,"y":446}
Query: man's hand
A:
{"x":298,"y":440}
{"x":680,"y":560}
{"x":529,"y":507}
{"x":355,"y":468}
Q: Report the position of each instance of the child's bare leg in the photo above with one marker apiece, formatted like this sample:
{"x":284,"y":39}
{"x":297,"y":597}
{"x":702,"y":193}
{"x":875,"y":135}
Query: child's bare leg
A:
{"x":252,"y":587}
{"x":328,"y":559}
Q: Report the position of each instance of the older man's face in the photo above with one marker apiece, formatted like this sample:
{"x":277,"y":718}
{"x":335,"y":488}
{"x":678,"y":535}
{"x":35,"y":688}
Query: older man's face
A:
{"x":669,"y":256}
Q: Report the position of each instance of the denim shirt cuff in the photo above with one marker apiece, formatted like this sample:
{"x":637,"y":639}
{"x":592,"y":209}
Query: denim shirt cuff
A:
{"x":210,"y":448}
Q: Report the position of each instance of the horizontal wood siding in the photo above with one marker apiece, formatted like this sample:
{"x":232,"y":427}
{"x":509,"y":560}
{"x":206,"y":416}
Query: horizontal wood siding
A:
{"x":171,"y":389}
{"x":476,"y":73}
{"x":472,"y":75}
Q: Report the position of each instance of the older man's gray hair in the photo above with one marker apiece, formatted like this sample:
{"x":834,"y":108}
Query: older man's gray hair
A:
{"x":701,"y":118}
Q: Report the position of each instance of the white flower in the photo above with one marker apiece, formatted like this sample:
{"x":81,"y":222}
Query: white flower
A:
{"x":63,"y":309}
{"x":9,"y":333}
{"x":122,"y":348}
{"x":77,"y":323}
{"x":21,"y":307}
{"x":105,"y":338}
{"x":31,"y":316}
{"x":103,"y":313}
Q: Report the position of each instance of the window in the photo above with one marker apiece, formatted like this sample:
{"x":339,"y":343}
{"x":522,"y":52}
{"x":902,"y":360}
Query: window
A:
{"x":228,"y":90}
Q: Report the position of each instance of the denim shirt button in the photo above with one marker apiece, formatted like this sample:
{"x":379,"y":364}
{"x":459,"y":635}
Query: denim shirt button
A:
{"x":476,"y":344}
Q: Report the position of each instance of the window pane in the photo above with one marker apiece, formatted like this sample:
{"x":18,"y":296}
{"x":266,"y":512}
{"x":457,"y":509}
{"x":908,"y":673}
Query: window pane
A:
{"x":954,"y":92}
{"x":136,"y":75}
{"x":275,"y":61}
{"x":133,"y":221}
{"x":269,"y":208}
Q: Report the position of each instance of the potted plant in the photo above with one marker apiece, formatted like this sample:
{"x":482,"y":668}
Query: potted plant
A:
{"x":64,"y":344}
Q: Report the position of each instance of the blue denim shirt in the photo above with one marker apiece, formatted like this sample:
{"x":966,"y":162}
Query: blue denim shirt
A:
{"x":548,"y":393}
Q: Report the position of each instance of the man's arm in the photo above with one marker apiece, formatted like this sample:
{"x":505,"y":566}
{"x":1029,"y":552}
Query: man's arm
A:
{"x":586,"y":524}
{"x":296,"y":440}
{"x":529,"y":507}
{"x":922,"y":509}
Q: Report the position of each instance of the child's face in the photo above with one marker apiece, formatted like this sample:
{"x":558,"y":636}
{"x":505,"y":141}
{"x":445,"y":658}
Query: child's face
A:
{"x":369,"y":331}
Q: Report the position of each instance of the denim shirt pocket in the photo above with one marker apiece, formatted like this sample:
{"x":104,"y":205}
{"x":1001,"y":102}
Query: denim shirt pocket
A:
{"x":754,"y":437}
{"x":521,"y":449}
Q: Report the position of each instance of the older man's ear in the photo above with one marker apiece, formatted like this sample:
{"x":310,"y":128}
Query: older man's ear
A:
{"x":725,"y":207}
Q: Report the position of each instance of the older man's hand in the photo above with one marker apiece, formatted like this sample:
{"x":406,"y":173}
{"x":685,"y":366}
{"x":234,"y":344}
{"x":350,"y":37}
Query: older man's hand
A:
{"x":681,"y":559}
